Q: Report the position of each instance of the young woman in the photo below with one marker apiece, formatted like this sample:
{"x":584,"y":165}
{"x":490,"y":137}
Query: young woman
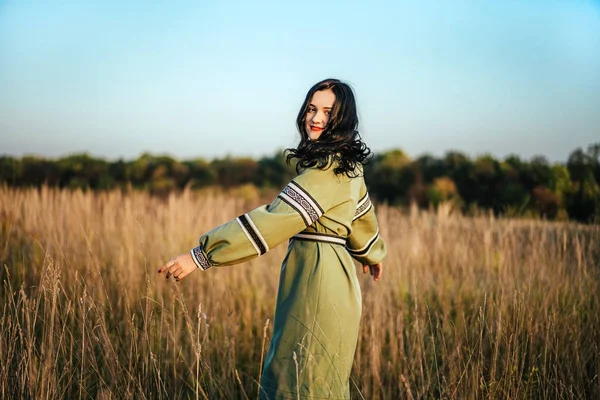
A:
{"x":327,"y":215}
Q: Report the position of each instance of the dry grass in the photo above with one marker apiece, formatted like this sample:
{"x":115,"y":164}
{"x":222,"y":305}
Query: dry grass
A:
{"x":469,"y":308}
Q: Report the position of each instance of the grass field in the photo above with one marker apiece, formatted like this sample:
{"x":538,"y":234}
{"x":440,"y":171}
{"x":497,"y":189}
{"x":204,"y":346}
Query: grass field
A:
{"x":468,"y":308}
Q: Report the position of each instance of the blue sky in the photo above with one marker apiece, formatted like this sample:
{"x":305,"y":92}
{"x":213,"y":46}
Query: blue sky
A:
{"x":212,"y":78}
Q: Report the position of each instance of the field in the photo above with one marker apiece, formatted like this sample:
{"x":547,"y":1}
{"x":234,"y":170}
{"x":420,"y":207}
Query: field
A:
{"x":468,"y":308}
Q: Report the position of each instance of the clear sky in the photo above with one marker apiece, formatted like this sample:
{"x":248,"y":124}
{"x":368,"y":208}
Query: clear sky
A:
{"x":212,"y":78}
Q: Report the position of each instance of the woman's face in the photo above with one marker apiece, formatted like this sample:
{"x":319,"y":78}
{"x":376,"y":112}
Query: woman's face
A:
{"x":318,"y":112}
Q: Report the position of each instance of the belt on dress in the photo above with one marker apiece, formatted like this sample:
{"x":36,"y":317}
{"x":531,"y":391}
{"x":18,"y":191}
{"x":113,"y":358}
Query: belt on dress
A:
{"x":320,"y":237}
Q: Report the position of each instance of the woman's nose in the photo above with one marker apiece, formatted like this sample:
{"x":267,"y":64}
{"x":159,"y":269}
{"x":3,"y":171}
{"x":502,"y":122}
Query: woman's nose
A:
{"x":317,"y":118}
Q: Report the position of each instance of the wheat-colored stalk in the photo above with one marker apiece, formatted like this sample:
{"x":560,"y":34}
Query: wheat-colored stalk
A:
{"x":262,"y":355}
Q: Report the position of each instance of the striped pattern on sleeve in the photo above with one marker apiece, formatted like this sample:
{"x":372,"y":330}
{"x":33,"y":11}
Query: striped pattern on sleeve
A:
{"x":253,"y":234}
{"x":363,"y":207}
{"x":302,"y":202}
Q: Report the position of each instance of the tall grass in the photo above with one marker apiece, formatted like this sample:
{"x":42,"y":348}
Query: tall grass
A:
{"x":468,"y":308}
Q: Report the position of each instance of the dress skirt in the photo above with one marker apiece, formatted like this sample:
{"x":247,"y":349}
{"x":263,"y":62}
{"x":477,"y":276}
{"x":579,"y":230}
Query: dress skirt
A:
{"x":316,"y":324}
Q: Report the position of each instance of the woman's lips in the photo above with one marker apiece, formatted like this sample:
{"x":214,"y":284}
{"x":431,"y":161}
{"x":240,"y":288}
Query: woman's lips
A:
{"x":316,"y":129}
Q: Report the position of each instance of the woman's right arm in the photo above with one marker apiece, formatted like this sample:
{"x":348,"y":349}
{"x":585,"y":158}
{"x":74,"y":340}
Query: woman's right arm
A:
{"x":304,"y":200}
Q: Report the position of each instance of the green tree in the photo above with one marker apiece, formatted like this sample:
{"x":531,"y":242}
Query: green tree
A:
{"x":37,"y":171}
{"x":139,"y":170}
{"x":201,"y":173}
{"x":10,"y":170}
{"x":390,"y":177}
{"x":431,"y":167}
{"x":488,"y":177}
{"x":83,"y":171}
{"x":118,"y":171}
{"x":594,"y":154}
{"x":461,"y":170}
{"x":541,"y":171}
{"x":273,"y":171}
{"x":583,"y":204}
{"x":235,"y":171}
{"x":513,"y":196}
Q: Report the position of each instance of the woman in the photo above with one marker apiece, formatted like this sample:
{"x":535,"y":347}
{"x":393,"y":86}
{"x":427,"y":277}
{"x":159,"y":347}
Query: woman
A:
{"x":327,"y":215}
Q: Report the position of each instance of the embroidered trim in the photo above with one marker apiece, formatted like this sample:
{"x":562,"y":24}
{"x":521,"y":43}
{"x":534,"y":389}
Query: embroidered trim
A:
{"x":301,"y":201}
{"x":248,"y":235}
{"x":199,"y":258}
{"x":367,"y":248}
{"x":254,"y":236}
{"x":363,"y":207}
{"x":320,"y":237}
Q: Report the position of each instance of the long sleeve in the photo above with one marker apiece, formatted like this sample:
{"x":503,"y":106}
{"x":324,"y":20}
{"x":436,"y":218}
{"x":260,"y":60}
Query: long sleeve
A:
{"x":365,"y":244}
{"x":304,"y":200}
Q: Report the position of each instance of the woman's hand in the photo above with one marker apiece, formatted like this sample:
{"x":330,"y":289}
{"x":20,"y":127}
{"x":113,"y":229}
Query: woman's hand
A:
{"x":179,"y":267}
{"x":375,"y":269}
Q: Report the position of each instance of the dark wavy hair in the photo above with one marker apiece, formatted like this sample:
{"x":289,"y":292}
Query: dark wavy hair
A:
{"x":339,"y":140}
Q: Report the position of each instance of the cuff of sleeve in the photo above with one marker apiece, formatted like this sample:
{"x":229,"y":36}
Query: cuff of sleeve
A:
{"x":200,"y":258}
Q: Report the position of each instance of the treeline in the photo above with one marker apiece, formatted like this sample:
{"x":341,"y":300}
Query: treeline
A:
{"x":512,"y":186}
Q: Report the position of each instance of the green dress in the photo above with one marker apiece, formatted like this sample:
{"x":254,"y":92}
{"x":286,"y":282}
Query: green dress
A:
{"x":329,"y":220}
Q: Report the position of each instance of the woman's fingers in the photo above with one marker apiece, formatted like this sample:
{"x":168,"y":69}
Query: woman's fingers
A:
{"x":179,"y":267}
{"x":183,"y":274}
{"x":165,"y":267}
{"x":172,"y":267}
{"x":376,"y":271}
{"x":174,"y":271}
